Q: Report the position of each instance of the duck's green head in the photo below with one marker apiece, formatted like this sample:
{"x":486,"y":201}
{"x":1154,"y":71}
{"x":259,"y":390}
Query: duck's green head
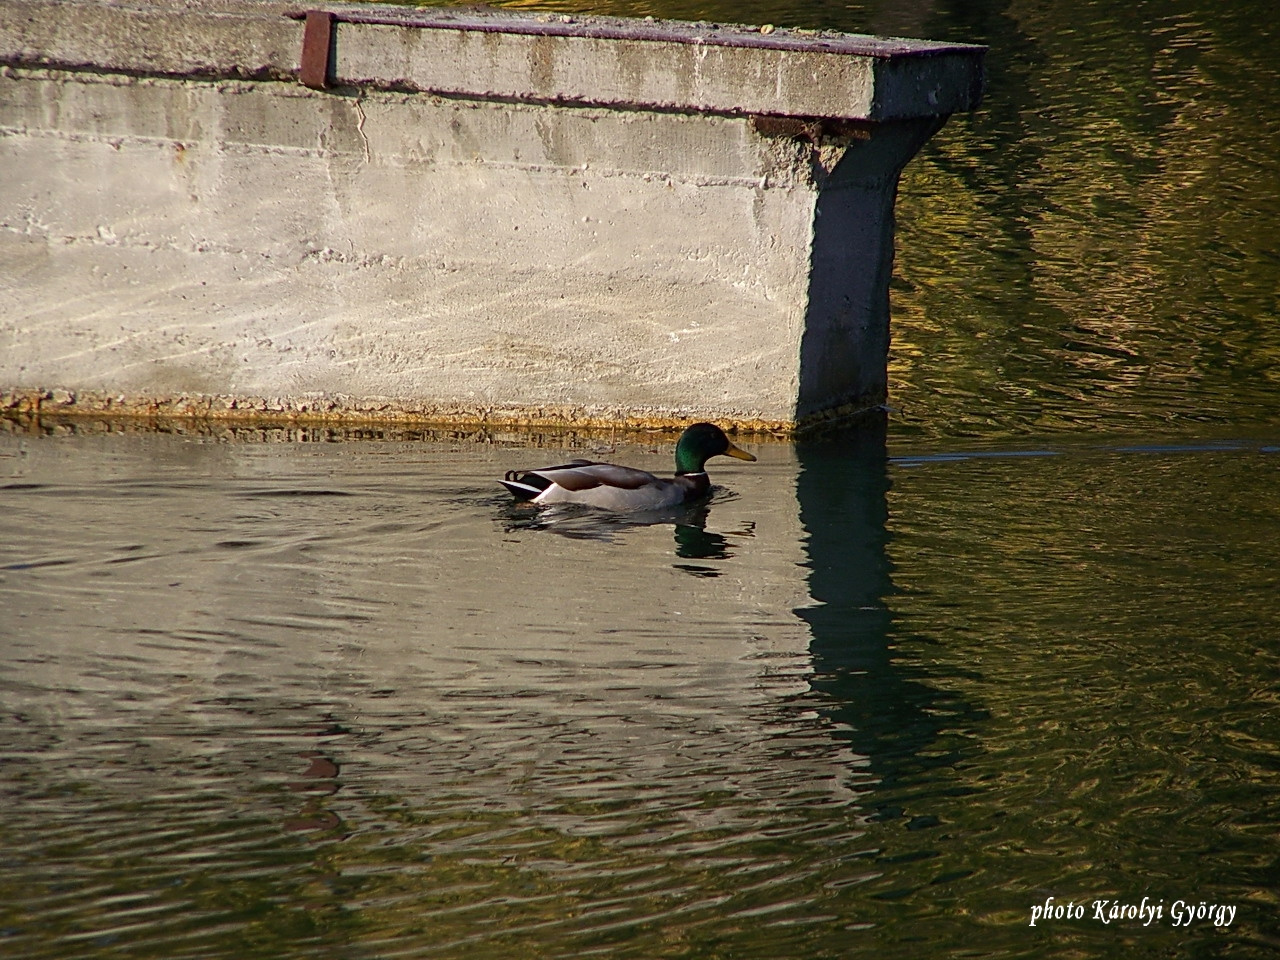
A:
{"x":699,"y":443}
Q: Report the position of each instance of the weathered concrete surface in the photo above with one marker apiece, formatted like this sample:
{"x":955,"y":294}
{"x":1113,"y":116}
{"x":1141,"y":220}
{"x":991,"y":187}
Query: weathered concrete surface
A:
{"x":184,"y":229}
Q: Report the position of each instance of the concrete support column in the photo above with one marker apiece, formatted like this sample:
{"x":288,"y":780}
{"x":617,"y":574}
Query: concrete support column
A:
{"x":461,"y":216}
{"x":844,"y":349}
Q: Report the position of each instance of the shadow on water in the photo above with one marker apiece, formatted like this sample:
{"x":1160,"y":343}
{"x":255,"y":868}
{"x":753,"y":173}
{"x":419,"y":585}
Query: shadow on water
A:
{"x":886,"y":708}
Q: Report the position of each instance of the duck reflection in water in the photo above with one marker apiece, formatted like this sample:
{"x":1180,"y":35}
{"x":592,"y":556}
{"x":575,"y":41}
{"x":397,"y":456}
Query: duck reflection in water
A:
{"x":693,"y":541}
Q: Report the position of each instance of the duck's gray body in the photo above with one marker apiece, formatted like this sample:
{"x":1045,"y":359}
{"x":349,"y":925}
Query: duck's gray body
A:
{"x":605,"y":485}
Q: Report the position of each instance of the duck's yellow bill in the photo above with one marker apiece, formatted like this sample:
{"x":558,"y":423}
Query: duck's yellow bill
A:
{"x":738,"y":452}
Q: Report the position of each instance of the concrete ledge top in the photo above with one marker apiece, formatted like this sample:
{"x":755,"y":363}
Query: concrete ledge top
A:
{"x":622,"y":28}
{"x":535,"y":57}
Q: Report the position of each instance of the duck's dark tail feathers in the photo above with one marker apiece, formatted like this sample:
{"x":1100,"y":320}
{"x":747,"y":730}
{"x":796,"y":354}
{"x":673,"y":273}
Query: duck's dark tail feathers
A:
{"x":524,"y":486}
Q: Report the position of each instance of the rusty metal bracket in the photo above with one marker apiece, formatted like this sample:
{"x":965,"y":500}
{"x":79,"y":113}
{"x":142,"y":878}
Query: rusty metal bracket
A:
{"x":317,"y":48}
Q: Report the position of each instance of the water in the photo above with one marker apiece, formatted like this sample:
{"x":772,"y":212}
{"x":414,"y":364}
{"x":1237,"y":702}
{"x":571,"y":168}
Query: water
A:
{"x":308,"y":699}
{"x":266,"y":695}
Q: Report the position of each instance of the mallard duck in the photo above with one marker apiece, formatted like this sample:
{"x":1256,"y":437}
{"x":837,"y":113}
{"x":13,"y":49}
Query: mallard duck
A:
{"x":612,"y":487}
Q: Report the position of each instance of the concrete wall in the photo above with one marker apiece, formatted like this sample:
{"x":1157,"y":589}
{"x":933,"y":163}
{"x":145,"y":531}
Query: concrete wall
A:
{"x":483,"y":217}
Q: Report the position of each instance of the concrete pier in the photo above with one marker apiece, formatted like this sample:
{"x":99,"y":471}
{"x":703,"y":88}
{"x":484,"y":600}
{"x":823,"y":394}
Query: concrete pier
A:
{"x":448,"y":215}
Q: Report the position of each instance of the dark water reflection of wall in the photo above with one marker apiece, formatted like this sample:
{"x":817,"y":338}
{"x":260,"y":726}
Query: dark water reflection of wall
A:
{"x":887,"y":708}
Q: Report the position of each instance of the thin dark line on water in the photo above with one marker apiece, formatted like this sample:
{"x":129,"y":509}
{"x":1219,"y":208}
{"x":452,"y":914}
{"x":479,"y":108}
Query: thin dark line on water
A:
{"x":33,"y":564}
{"x":296,"y":493}
{"x":1183,"y":448}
